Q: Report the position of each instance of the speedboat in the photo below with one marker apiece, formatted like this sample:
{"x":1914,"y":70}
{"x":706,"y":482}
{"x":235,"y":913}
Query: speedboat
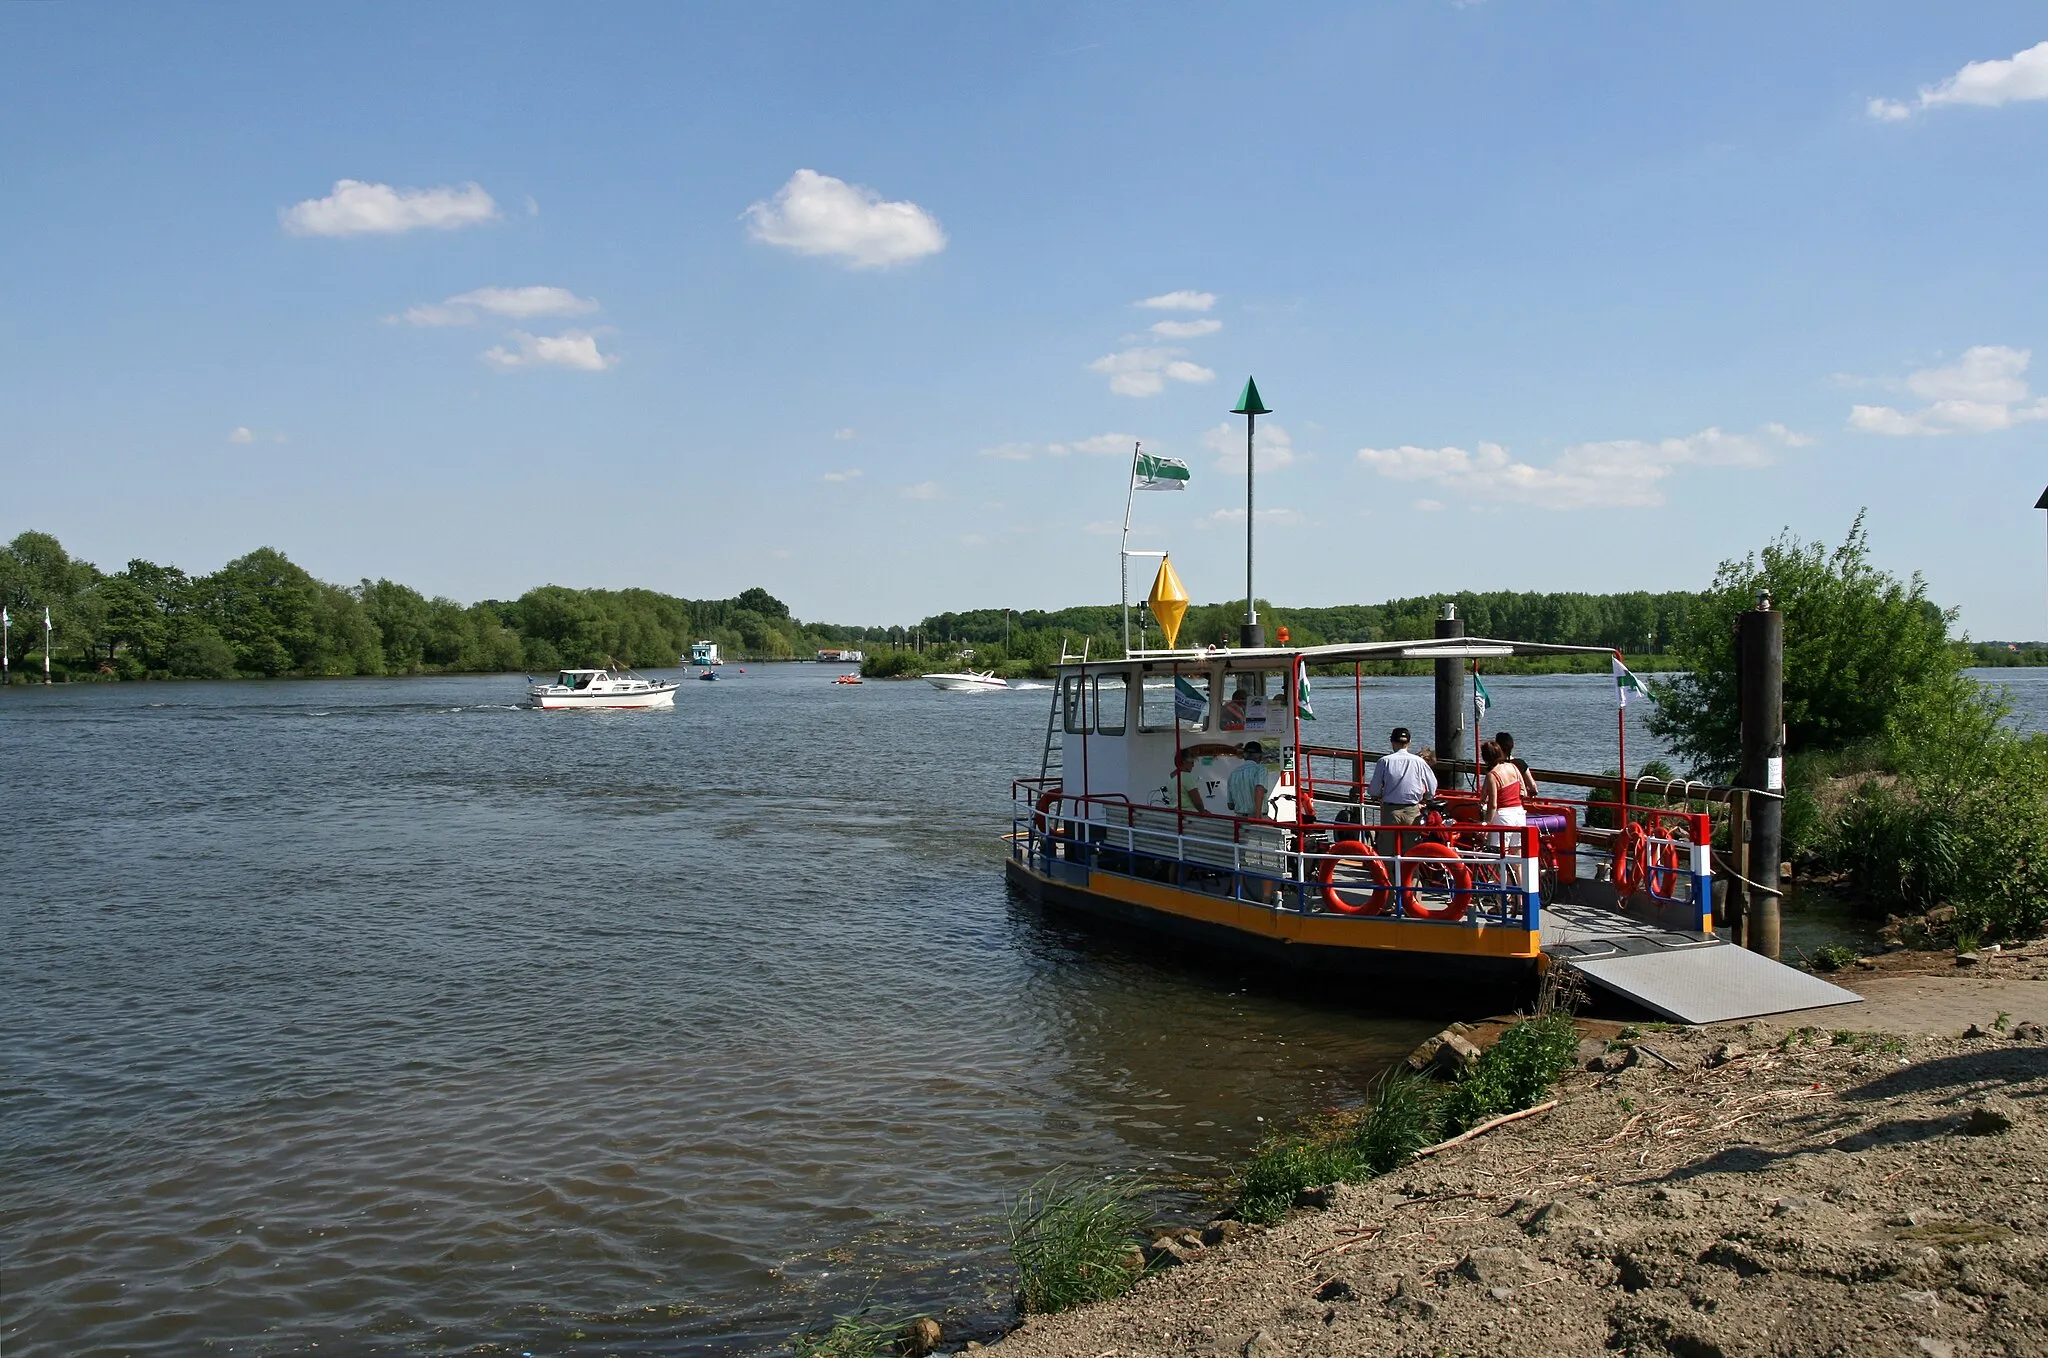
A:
{"x":707,"y":674}
{"x":847,"y":679}
{"x":601,"y":688}
{"x":966,"y":683}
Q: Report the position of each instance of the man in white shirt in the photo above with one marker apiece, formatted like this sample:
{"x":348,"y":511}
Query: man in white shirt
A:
{"x":1401,"y":782}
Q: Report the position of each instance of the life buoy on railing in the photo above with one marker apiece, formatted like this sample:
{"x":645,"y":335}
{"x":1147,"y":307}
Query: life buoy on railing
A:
{"x":1440,"y":858}
{"x":1043,"y":819}
{"x":1663,"y":868}
{"x":1382,"y":882}
{"x":1631,"y":859}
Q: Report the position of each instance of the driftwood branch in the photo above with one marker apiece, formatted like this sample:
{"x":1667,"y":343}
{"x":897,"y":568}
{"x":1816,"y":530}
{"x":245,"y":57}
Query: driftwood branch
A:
{"x":1485,"y":1127}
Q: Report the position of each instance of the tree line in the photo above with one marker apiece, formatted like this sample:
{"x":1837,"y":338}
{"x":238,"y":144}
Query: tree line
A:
{"x":261,"y":615}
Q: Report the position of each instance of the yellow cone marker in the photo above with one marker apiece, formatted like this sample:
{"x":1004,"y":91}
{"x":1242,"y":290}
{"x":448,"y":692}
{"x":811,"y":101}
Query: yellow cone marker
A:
{"x":1168,"y":601}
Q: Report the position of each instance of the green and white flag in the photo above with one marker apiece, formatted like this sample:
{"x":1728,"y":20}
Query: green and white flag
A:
{"x":1302,"y":710}
{"x":1624,"y":680}
{"x":1159,"y":473}
{"x":1481,"y":700}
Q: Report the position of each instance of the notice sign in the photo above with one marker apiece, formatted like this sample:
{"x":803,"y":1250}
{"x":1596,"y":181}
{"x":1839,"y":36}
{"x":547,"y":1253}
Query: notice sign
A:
{"x":1774,"y":774}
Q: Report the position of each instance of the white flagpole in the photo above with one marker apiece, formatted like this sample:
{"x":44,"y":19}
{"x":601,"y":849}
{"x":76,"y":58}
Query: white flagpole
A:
{"x":1123,"y":558}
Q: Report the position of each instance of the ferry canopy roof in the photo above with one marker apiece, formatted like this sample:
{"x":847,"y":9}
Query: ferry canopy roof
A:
{"x":1280,"y":657}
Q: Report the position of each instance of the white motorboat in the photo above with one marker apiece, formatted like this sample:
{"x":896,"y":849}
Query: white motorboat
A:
{"x":966,"y":683}
{"x":601,"y":688}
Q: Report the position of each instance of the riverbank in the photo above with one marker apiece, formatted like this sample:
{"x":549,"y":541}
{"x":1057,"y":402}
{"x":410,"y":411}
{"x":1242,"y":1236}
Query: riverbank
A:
{"x":1804,"y":1185}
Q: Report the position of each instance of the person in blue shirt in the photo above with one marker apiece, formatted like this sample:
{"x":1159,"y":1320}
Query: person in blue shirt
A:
{"x":1401,"y":782}
{"x":1250,"y":784}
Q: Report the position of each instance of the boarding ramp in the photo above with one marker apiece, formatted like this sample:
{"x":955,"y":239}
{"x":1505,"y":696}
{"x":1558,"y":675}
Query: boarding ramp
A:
{"x":1684,"y":976}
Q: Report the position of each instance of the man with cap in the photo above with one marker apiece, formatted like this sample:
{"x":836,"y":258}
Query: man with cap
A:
{"x":1401,"y":782}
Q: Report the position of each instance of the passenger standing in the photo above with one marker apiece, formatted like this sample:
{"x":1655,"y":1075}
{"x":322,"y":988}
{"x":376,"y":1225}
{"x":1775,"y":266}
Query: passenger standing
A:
{"x":1506,"y":742}
{"x":1401,"y":782}
{"x":1501,"y":792}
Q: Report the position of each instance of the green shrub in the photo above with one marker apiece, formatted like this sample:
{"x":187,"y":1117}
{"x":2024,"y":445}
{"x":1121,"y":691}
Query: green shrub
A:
{"x":1075,"y":1240}
{"x":1832,"y":957}
{"x":1283,"y":1165}
{"x":1512,"y":1074}
{"x":1965,"y":825}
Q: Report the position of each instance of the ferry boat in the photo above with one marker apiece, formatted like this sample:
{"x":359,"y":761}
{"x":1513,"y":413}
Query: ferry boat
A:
{"x":967,"y":682}
{"x":704,"y":653}
{"x":1180,"y":791}
{"x":601,"y":688}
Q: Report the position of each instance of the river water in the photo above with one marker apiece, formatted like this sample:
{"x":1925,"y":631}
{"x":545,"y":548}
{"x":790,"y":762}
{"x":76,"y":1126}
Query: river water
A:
{"x":383,"y":1016}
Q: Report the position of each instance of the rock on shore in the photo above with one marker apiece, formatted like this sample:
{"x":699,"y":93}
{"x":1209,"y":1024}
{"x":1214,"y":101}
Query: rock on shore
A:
{"x":1770,"y":1190}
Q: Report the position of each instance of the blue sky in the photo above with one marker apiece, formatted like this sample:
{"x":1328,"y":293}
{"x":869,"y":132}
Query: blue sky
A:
{"x":850,"y":302}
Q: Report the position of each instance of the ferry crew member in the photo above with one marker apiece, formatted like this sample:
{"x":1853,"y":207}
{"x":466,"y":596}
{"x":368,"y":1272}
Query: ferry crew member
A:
{"x":1247,"y":786}
{"x":1401,"y":782}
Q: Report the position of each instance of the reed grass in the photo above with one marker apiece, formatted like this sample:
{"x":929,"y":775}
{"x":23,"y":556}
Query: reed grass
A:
{"x":858,"y":1334}
{"x":1075,"y":1240}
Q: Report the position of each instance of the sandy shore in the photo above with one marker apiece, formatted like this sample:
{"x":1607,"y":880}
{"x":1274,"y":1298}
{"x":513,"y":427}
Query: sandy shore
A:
{"x":1810,"y":1185}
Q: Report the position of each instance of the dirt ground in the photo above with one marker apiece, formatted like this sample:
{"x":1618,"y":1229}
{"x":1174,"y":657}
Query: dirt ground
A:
{"x":1769,"y":1188}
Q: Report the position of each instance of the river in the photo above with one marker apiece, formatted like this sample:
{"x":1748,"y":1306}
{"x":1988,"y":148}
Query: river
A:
{"x":383,"y":1016}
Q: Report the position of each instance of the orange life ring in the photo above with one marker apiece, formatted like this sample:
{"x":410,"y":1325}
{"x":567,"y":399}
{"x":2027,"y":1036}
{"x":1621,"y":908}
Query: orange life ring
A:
{"x":1460,"y":874}
{"x":1631,"y":859}
{"x":1375,"y":869}
{"x":1042,"y":821}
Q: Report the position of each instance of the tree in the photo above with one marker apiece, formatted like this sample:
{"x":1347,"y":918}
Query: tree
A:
{"x":1858,"y":643}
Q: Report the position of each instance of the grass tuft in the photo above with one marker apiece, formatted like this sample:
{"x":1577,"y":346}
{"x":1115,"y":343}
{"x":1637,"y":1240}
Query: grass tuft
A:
{"x":1833,"y":957}
{"x":858,"y":1334}
{"x":1075,"y":1240}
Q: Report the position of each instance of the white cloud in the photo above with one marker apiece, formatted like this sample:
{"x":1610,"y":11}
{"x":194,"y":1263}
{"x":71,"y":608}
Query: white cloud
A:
{"x":241,"y":434}
{"x":1620,"y":473}
{"x":923,"y":490}
{"x":850,"y":474}
{"x":815,"y":214}
{"x":1988,"y":84}
{"x":1226,"y":440}
{"x":356,"y":208}
{"x":1186,"y":329}
{"x":1096,"y":445}
{"x":844,"y":434}
{"x":1145,"y":371}
{"x":571,"y":349}
{"x":1430,"y":506}
{"x":519,"y":304}
{"x":1181,"y":301}
{"x":1224,"y":518}
{"x":1981,"y":392}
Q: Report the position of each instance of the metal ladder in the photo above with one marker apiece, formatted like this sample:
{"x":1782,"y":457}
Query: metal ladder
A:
{"x":1051,"y":763}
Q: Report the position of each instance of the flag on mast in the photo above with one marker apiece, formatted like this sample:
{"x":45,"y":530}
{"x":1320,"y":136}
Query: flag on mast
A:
{"x":1624,"y":680}
{"x":1302,"y":710}
{"x":1149,"y":472}
{"x":1481,"y":699}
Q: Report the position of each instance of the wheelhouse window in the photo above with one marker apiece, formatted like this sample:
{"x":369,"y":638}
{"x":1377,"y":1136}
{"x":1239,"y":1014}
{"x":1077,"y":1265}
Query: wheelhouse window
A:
{"x":1168,"y":698}
{"x":1074,"y":704}
{"x":1112,"y":704}
{"x":1254,"y":701}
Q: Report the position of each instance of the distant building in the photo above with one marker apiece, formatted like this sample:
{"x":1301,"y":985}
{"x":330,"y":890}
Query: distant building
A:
{"x":704,"y":653}
{"x":829,"y":656}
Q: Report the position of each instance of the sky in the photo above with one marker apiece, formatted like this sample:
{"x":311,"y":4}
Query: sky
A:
{"x":867,"y":304}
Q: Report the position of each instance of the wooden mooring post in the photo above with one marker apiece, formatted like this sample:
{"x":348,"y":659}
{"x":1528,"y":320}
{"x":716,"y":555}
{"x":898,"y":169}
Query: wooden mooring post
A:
{"x":1450,"y":701}
{"x":1760,"y":670}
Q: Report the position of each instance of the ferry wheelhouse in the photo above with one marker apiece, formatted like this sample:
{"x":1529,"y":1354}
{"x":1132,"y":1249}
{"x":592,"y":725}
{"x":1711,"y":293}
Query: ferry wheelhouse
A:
{"x":1181,"y":791}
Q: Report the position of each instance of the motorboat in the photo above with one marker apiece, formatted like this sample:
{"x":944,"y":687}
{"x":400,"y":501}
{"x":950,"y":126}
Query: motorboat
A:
{"x":601,"y":688}
{"x":968,"y":682}
{"x":707,"y":674}
{"x":847,"y":679}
